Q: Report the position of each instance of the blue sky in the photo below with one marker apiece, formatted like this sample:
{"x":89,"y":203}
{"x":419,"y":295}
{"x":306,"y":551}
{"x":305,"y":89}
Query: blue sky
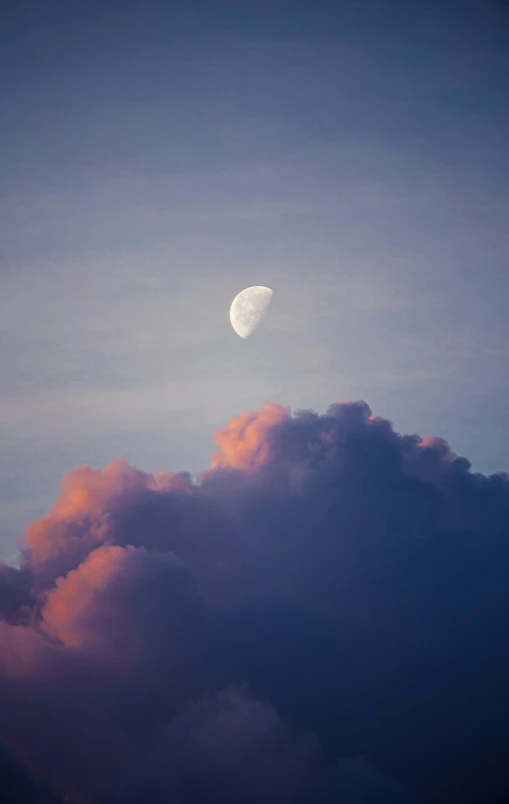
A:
{"x":156,"y":158}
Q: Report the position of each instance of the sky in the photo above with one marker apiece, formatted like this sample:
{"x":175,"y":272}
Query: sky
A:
{"x":157,"y":157}
{"x":275,"y":569}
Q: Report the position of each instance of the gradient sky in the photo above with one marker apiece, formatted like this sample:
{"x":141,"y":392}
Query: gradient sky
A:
{"x":158,"y":157}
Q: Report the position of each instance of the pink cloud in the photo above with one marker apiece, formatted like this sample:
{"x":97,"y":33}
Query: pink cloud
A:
{"x":245,"y":442}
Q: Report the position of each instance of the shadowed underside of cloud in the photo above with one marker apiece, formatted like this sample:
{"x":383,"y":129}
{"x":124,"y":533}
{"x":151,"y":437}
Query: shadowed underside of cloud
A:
{"x":323,"y":617}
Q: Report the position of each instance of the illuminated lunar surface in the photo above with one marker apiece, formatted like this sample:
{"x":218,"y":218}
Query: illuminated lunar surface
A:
{"x":248,"y":309}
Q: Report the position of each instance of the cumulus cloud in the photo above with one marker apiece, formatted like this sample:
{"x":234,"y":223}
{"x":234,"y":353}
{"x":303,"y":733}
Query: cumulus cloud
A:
{"x":330,"y":588}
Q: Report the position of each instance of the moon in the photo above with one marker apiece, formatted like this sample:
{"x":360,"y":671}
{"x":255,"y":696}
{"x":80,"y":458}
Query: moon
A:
{"x":248,"y":308}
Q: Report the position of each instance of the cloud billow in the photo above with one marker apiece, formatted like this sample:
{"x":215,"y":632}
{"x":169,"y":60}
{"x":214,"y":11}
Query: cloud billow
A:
{"x":322,"y":617}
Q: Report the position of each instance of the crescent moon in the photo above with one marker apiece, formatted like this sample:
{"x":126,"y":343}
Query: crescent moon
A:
{"x":248,"y":308}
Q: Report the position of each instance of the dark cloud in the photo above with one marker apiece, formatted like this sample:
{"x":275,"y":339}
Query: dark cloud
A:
{"x":17,"y":785}
{"x":16,"y":599}
{"x":330,"y":589}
